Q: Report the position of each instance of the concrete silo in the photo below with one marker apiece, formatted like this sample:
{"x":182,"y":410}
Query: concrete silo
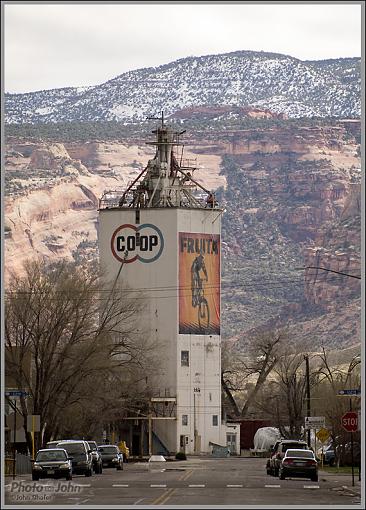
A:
{"x":164,"y":231}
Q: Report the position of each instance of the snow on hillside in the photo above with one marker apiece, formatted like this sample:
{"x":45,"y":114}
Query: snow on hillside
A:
{"x":271,"y":81}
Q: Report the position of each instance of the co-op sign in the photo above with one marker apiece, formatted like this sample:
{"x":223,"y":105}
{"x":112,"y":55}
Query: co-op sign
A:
{"x":144,"y":243}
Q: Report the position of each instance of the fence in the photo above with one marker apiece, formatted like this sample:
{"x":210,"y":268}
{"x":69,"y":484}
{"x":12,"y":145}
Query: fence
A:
{"x":23,"y":465}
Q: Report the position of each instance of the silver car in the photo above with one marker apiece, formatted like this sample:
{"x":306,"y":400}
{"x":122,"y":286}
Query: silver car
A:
{"x":299,"y":463}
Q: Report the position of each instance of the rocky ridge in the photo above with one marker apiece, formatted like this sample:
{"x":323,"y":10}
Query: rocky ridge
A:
{"x":291,"y":199}
{"x":268,"y":81}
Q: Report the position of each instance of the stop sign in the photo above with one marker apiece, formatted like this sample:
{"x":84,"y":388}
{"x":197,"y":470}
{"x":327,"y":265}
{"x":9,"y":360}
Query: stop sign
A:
{"x":350,"y":421}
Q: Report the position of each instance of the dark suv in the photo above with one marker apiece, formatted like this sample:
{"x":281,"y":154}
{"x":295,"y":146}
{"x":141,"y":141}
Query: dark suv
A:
{"x":82,"y":462}
{"x":278,"y":452}
{"x":111,"y":456}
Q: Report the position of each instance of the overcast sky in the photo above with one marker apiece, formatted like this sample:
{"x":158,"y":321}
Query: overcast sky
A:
{"x":50,"y":46}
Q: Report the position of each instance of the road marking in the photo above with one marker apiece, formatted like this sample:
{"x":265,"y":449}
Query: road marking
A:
{"x":311,"y":487}
{"x":197,"y":485}
{"x":120,"y":485}
{"x":273,"y":486}
{"x":81,"y":484}
{"x":158,"y":485}
{"x":185,"y":476}
{"x":167,"y":496}
{"x":235,"y":485}
{"x":163,"y":497}
{"x":138,"y":501}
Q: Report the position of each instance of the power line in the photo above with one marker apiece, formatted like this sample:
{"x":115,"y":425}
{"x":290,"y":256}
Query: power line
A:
{"x":329,"y":270}
{"x":264,"y":283}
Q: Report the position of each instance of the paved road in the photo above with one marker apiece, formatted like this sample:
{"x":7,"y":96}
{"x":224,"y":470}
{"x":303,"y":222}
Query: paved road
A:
{"x":197,"y":481}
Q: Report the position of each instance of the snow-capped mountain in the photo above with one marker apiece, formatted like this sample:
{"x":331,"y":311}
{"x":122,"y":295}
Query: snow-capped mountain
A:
{"x":280,"y":83}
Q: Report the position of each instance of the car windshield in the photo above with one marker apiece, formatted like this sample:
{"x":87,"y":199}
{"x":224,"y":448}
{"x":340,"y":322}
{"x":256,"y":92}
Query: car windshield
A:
{"x":307,"y":454}
{"x":290,"y":446}
{"x":51,"y":455}
{"x":108,"y":449}
{"x":73,"y":448}
{"x":92,"y":445}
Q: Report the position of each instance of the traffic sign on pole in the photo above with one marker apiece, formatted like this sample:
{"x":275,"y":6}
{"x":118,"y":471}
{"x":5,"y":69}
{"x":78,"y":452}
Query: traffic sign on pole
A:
{"x":314,"y":422}
{"x":350,"y":393}
{"x":16,"y":393}
{"x":350,"y":421}
{"x":323,"y":434}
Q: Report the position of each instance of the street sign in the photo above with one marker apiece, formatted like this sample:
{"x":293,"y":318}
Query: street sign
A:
{"x":33,"y":423}
{"x":16,"y":393}
{"x":350,"y":393}
{"x":350,"y":421}
{"x":323,"y":434}
{"x":314,"y":422}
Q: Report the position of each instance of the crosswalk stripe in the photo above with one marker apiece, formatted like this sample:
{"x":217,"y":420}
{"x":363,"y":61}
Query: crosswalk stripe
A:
{"x":158,"y":485}
{"x":275,"y":486}
{"x":311,"y":487}
{"x":234,"y":485}
{"x":196,"y":485}
{"x":120,"y":485}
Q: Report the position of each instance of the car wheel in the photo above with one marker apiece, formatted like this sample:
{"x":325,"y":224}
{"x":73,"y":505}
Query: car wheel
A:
{"x":331,"y":463}
{"x":35,"y":478}
{"x":314,"y":478}
{"x":276,"y":471}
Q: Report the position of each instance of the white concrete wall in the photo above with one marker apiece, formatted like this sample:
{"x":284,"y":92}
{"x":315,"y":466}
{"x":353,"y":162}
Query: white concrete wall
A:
{"x":159,"y":281}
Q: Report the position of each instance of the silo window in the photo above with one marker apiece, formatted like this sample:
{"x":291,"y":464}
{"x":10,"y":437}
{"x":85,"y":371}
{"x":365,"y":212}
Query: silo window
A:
{"x":184,"y":358}
{"x":215,"y":420}
{"x":184,"y":419}
{"x":137,"y":216}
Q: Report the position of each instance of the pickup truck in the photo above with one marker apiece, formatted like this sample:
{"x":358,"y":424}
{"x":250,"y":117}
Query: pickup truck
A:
{"x":125,"y":450}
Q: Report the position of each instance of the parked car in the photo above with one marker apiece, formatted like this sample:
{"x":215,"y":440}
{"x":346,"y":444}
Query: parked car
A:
{"x":329,"y":455}
{"x":82,"y":462}
{"x":344,"y":454}
{"x":278,"y":452}
{"x":111,"y":456}
{"x":97,"y":458}
{"x":52,"y":463}
{"x":299,"y":463}
{"x":53,"y":444}
{"x":123,"y":448}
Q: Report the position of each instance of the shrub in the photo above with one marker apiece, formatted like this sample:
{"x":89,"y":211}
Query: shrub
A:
{"x":181,"y":456}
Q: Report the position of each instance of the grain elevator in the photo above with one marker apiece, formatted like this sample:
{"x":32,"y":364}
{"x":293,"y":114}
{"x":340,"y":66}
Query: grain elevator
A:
{"x":161,"y":235}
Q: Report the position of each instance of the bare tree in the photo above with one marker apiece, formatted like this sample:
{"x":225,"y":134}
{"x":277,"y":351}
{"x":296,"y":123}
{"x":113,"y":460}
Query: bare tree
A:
{"x":244,"y":375}
{"x":332,"y":377}
{"x":75,"y":331}
{"x":290,"y":394}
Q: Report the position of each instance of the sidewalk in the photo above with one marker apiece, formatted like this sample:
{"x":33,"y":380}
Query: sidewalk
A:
{"x":343,"y":482}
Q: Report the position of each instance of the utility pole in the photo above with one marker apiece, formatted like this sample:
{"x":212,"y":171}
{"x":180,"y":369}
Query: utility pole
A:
{"x":195,"y":390}
{"x":308,"y":413}
{"x":352,"y":459}
{"x":15,"y":436}
{"x":150,"y":430}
